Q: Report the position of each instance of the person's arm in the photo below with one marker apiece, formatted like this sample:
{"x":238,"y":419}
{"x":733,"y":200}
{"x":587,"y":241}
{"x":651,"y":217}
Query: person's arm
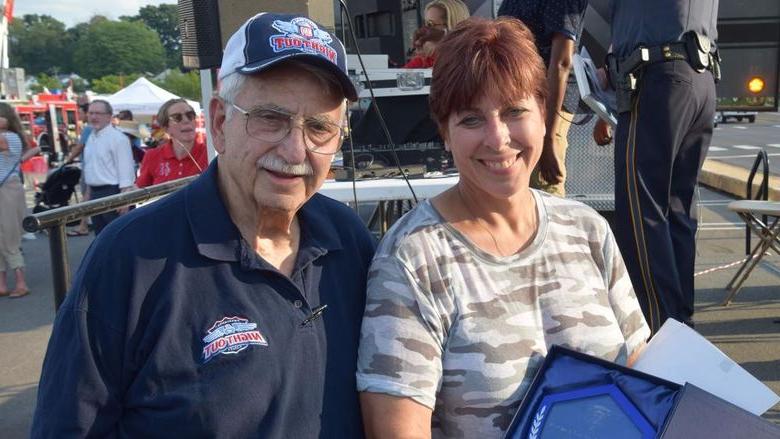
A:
{"x":399,"y":360}
{"x":148,"y":164}
{"x":387,"y":417}
{"x":31,"y":152}
{"x":558,"y":71}
{"x":123,"y":157}
{"x":74,"y":152}
{"x":622,"y":299}
{"x":79,"y":388}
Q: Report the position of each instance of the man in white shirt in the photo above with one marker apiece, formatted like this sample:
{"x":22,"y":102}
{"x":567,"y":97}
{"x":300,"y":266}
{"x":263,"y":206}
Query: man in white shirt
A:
{"x":108,"y":167}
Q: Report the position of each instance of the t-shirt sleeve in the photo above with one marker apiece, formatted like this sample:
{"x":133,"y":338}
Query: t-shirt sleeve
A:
{"x":564,"y":17}
{"x":402,"y":337}
{"x":124,"y":162}
{"x":622,"y":298}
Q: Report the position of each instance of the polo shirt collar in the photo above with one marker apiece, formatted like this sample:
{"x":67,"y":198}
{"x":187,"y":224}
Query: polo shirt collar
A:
{"x":167,"y":150}
{"x":216,"y":237}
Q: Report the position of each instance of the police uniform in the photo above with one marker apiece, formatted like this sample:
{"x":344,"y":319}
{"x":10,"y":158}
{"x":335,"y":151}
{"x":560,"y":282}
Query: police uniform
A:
{"x":660,"y":144}
{"x":175,"y":327}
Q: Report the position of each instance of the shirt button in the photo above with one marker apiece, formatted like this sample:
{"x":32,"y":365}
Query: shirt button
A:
{"x":298,"y":303}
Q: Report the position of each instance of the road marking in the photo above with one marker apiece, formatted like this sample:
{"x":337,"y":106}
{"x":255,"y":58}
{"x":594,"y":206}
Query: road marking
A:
{"x":751,"y":147}
{"x":740,"y":128}
{"x":776,"y":126}
{"x":714,"y":202}
{"x":773,"y":145}
{"x":719,"y":149}
{"x":719,"y":229}
{"x":745,"y":156}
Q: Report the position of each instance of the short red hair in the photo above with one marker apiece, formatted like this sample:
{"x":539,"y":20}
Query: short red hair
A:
{"x":483,"y":57}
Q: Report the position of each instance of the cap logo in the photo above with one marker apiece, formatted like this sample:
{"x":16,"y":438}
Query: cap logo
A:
{"x":303,"y":35}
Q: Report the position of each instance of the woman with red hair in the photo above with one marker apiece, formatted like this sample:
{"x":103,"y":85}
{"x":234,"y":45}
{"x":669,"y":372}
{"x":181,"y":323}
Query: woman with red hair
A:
{"x":468,"y":291}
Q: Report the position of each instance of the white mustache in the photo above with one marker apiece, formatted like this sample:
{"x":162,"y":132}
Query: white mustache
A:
{"x":276,"y":164}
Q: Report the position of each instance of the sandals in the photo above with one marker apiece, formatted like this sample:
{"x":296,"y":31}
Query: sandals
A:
{"x":73,"y":233}
{"x":18,"y":293}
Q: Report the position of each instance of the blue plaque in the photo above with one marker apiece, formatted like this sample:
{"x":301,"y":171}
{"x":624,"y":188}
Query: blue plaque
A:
{"x":575,"y":395}
{"x":597,"y":412}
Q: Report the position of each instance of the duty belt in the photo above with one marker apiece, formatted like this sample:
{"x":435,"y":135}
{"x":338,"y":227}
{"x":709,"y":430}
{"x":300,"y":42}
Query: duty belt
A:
{"x":677,"y":51}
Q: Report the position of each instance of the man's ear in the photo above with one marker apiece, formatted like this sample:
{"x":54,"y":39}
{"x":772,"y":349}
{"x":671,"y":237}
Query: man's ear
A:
{"x":218,"y":114}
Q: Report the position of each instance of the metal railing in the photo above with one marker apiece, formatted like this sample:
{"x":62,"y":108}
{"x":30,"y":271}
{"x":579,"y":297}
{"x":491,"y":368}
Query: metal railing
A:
{"x":54,"y":222}
{"x":763,"y":189}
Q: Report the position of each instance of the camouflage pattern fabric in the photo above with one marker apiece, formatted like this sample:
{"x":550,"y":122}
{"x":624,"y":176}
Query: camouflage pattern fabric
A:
{"x":463,"y":332}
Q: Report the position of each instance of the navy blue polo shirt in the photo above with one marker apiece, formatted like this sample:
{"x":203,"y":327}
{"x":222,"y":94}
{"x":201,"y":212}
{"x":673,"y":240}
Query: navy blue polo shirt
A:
{"x":545,"y":18}
{"x":175,"y":327}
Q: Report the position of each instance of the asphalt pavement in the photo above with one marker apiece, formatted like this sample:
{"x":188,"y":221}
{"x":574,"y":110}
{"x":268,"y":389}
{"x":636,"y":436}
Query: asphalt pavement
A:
{"x":748,"y":330}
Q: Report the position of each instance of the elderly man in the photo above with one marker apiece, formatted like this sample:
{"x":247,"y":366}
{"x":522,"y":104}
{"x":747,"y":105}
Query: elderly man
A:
{"x":108,"y":160}
{"x":233,"y":307}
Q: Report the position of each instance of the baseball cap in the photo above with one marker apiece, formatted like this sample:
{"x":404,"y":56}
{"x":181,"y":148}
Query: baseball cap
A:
{"x":268,"y":39}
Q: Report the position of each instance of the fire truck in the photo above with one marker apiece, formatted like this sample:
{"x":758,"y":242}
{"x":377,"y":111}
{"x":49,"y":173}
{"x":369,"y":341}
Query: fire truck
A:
{"x":51,"y":122}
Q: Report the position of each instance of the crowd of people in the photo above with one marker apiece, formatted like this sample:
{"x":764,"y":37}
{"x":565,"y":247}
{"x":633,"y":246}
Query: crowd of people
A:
{"x":249,"y":305}
{"x":116,"y":155}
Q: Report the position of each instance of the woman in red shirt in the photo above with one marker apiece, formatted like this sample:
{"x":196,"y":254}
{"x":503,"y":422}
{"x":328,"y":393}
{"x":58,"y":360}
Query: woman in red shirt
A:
{"x":184,"y":154}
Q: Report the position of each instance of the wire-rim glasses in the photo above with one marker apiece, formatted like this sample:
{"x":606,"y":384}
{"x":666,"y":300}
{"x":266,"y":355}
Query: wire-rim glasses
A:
{"x":272,"y":125}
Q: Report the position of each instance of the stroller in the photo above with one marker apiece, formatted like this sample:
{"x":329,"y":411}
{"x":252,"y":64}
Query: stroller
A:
{"x":57,"y":190}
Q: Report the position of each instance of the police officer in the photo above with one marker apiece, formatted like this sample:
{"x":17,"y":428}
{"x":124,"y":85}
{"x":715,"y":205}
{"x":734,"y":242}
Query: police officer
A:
{"x":663,"y":66}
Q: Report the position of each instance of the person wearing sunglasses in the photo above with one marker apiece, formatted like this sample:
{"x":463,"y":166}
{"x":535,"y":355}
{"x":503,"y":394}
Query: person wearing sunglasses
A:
{"x":182,"y":155}
{"x":444,"y":15}
{"x":232,"y":307}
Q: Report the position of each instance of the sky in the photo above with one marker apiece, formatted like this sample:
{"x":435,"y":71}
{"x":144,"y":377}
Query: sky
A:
{"x":72,"y":12}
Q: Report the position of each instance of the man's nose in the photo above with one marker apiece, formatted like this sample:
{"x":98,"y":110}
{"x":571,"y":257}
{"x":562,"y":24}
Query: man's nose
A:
{"x":293,"y":147}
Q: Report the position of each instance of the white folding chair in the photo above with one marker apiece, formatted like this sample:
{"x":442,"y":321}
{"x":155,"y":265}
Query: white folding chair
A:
{"x":768,"y":233}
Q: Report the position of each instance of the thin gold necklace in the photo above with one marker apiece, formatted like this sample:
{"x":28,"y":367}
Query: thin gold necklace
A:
{"x":477,"y":220}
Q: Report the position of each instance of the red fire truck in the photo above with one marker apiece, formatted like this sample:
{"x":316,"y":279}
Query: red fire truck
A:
{"x":38,"y":120}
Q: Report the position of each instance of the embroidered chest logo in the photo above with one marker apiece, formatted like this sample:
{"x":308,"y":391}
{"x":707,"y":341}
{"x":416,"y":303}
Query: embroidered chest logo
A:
{"x":231,"y":335}
{"x":165,"y":169}
{"x":302,"y":34}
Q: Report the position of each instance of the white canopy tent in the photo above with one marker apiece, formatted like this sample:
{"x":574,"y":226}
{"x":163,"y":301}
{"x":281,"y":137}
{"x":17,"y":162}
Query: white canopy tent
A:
{"x":143,"y":98}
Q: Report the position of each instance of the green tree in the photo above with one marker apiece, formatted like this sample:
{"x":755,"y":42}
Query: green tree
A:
{"x":163,"y":19}
{"x":47,"y":81}
{"x":111,"y":84}
{"x":186,"y":85}
{"x":38,"y":44}
{"x":112,"y":47}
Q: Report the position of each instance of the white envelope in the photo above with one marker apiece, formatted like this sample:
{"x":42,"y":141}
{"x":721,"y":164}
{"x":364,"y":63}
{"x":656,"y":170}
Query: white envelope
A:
{"x":679,"y":354}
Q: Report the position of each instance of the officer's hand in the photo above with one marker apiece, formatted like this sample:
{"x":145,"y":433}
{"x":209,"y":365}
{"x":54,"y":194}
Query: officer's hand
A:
{"x":602,"y":133}
{"x":548,"y":164}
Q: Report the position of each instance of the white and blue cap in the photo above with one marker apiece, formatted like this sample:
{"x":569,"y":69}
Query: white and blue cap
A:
{"x":268,"y":39}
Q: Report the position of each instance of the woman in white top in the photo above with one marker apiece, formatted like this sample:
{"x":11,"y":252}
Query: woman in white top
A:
{"x":13,"y":151}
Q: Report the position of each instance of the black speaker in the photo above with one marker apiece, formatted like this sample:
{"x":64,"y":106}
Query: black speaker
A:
{"x":201,"y":39}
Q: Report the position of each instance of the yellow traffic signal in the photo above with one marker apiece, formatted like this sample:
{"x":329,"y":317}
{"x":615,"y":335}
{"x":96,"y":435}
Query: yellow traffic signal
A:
{"x":756,"y":85}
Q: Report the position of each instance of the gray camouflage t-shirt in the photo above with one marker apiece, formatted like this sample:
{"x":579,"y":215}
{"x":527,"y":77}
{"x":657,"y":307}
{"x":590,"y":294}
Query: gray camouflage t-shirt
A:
{"x":463,"y":332}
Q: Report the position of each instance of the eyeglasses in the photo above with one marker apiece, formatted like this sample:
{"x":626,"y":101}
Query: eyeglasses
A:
{"x":431,"y":23}
{"x":319,"y":136}
{"x":97,"y":113}
{"x":178,"y":117}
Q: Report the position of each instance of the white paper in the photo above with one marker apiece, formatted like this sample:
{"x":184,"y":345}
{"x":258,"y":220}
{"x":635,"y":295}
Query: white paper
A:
{"x":679,"y":354}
